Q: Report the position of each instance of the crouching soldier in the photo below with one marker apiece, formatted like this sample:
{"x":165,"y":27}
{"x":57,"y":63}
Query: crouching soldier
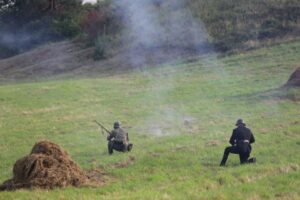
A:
{"x":241,"y":140}
{"x":118,"y":140}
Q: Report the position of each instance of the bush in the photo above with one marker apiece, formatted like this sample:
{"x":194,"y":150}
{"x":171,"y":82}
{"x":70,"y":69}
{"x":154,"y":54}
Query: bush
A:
{"x":6,"y":51}
{"x":101,"y":47}
{"x":231,"y":23}
{"x":270,"y":29}
{"x":68,"y":27}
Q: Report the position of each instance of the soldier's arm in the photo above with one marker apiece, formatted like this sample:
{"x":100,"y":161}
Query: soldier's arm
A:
{"x":252,"y":139}
{"x":111,"y":136}
{"x":232,"y":138}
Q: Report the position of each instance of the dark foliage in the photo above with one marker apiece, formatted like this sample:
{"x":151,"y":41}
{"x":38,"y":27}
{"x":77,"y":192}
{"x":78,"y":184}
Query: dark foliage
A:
{"x":231,"y":24}
{"x":28,"y":23}
{"x":234,"y":24}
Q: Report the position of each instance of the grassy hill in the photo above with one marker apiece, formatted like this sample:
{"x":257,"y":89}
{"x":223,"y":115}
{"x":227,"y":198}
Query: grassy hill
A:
{"x":179,"y":118}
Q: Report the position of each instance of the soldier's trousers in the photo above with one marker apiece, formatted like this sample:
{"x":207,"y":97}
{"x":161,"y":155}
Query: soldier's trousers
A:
{"x":244,"y":155}
{"x":118,"y":146}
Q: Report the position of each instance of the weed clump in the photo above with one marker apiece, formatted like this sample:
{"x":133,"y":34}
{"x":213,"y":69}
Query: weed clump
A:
{"x":294,"y":80}
{"x":47,"y":166}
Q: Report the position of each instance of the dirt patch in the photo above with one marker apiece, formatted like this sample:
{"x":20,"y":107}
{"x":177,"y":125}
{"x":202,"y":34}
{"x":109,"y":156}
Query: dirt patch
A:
{"x":49,"y":166}
{"x":97,"y":177}
{"x":155,"y":154}
{"x":41,"y":110}
{"x":213,"y":143}
{"x":294,"y":80}
{"x":124,"y":164}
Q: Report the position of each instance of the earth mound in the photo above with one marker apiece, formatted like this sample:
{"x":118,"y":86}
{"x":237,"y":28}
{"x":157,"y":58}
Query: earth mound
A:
{"x":47,"y":166}
{"x":294,"y":80}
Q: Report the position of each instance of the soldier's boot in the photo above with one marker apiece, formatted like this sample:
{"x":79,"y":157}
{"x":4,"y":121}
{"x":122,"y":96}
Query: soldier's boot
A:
{"x":110,"y":147}
{"x":110,"y":151}
{"x":129,"y":147}
{"x":252,"y":160}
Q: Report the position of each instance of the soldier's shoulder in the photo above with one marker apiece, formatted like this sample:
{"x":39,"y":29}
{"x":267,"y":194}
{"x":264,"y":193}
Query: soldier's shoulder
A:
{"x":122,"y":130}
{"x":250,"y":130}
{"x":247,"y":128}
{"x":114,"y":131}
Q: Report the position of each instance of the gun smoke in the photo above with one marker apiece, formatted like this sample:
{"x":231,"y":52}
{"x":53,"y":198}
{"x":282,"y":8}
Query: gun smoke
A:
{"x":157,"y":32}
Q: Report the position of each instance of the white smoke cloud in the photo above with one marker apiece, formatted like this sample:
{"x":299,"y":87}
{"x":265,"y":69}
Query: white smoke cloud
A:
{"x":158,"y":31}
{"x":89,"y":1}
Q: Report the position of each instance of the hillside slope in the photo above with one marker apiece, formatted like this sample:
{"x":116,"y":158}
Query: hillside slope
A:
{"x":179,"y":118}
{"x":47,"y":60}
{"x":71,"y":59}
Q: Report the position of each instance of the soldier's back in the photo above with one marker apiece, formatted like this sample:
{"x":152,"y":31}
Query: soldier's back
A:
{"x":242,"y":133}
{"x":120,"y":135}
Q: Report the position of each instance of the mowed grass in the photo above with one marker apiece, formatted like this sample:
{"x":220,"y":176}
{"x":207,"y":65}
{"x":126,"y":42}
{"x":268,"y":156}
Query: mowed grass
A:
{"x":179,"y":118}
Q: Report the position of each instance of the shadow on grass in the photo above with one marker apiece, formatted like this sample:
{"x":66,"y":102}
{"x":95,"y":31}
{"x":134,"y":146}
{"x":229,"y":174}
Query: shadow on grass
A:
{"x":216,"y":164}
{"x":277,"y":94}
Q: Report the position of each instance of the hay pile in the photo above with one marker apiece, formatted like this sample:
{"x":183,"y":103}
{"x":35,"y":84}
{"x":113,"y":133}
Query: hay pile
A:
{"x":48,"y":166}
{"x":294,"y":80}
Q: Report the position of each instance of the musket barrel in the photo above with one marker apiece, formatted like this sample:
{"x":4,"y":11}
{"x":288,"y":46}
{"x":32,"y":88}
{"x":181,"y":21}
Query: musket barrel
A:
{"x":103,"y":127}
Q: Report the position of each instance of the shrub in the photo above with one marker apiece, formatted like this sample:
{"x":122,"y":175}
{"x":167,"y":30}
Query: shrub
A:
{"x":6,"y":51}
{"x":101,"y":46}
{"x":67,"y":27}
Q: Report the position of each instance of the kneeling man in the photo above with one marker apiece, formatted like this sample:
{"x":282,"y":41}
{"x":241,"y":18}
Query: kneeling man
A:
{"x":241,"y":140}
{"x":118,"y":140}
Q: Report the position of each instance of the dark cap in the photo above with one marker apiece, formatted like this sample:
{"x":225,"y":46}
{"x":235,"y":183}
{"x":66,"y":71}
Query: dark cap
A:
{"x":117,"y":125}
{"x":240,"y":122}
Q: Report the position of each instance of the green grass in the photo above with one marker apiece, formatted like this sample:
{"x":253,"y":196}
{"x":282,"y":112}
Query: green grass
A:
{"x":178,"y":162}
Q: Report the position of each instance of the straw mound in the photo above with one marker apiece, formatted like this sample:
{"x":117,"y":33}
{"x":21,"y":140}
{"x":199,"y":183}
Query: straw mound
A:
{"x":47,"y":166}
{"x":294,"y":80}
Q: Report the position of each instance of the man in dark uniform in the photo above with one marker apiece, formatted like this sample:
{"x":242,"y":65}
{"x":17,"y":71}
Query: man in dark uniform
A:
{"x":118,"y":140}
{"x":241,"y":140}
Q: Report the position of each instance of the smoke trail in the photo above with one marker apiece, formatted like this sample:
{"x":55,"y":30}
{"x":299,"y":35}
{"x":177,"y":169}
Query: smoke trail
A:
{"x":158,"y":31}
{"x":24,"y":39}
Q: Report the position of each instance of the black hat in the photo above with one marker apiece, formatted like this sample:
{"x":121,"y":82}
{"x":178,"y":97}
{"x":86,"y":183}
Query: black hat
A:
{"x":240,"y":122}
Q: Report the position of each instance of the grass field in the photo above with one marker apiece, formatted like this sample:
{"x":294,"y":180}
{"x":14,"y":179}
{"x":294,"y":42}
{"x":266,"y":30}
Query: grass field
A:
{"x":179,"y":118}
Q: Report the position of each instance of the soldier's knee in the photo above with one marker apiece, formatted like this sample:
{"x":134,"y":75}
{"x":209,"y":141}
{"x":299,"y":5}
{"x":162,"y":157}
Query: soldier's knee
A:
{"x":110,"y":145}
{"x":227,"y":149}
{"x":129,"y":147}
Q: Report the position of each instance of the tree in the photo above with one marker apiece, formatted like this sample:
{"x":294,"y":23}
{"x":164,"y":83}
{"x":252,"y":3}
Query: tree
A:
{"x":51,"y":5}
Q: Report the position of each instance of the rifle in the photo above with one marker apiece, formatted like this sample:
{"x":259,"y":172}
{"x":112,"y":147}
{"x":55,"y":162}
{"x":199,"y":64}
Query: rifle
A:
{"x":103,"y":128}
